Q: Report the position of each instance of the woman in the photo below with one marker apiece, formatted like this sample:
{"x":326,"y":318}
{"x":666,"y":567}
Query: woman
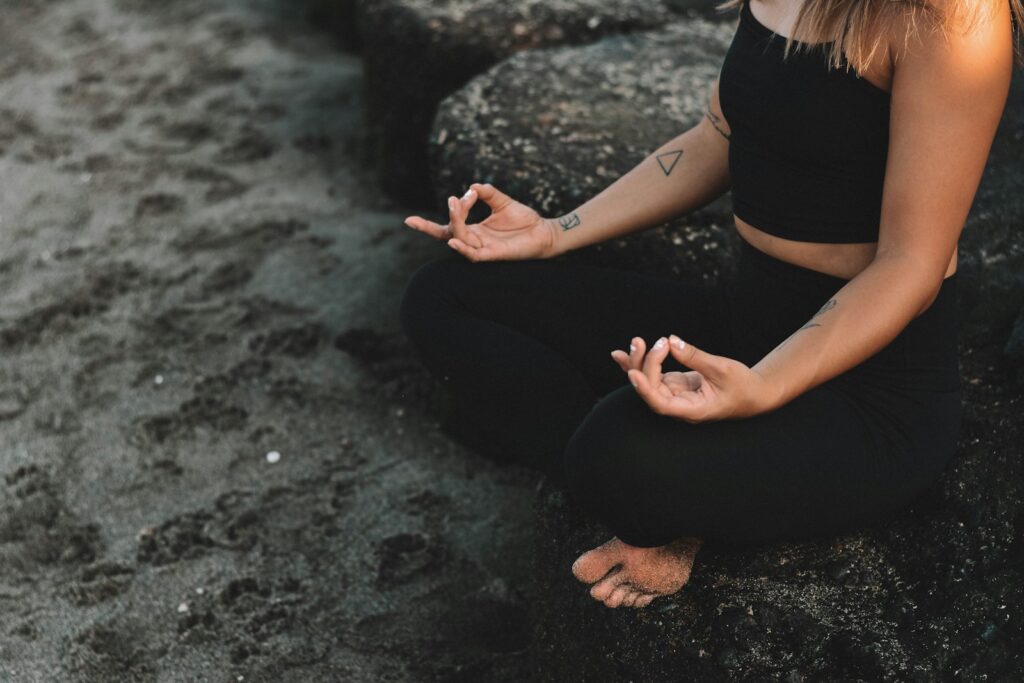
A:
{"x":816,"y":390}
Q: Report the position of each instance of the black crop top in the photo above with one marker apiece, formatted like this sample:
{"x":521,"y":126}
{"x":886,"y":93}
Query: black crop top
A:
{"x":808,"y":144}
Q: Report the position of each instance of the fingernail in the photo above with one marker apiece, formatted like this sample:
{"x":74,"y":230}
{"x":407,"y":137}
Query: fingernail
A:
{"x":451,"y":203}
{"x":660,"y":343}
{"x":468,"y":193}
{"x":632,"y":347}
{"x":679,"y":343}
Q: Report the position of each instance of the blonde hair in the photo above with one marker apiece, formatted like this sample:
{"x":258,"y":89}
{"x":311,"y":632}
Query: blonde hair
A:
{"x":857,"y":27}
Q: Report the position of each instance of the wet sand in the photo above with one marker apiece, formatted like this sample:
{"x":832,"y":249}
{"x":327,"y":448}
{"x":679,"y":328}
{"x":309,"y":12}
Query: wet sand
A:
{"x":220,"y":460}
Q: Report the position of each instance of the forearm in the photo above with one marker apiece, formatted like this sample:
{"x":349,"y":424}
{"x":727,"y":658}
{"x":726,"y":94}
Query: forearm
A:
{"x":682,"y":175}
{"x":865,"y":315}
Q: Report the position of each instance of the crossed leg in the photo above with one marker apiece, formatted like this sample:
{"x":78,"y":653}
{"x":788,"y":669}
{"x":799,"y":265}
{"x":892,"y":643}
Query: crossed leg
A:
{"x":818,"y":465}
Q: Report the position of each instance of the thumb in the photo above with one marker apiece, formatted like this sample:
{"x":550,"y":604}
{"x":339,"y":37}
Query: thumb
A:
{"x":492,"y":196}
{"x":692,"y":357}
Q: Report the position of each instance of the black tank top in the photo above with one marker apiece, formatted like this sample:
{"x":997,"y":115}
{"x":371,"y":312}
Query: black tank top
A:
{"x":808,"y":144}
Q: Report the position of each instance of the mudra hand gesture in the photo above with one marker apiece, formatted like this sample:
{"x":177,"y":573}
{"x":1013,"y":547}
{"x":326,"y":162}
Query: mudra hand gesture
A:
{"x":513,"y":231}
{"x":716,"y":388}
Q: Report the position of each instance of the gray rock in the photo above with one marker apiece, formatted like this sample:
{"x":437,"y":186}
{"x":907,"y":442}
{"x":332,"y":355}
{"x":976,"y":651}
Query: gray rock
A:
{"x":419,"y":51}
{"x":552,"y":127}
{"x":991,"y":249}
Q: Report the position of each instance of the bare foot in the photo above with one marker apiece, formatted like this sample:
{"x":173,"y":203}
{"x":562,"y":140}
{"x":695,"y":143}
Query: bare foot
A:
{"x":626,"y":575}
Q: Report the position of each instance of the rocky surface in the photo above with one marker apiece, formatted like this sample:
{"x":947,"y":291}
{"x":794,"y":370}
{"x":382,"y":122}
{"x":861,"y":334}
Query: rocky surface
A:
{"x":991,"y":248}
{"x":553,"y":127}
{"x":419,"y":51}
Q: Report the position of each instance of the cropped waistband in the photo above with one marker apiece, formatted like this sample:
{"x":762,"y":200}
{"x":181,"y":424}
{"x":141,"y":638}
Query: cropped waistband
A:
{"x":774,"y":298}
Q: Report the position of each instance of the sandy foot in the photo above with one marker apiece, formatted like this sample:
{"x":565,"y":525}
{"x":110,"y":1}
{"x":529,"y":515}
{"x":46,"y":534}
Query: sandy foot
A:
{"x":625,"y":575}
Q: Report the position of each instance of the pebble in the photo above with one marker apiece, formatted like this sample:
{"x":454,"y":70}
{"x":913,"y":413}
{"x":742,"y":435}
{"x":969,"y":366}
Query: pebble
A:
{"x":159,"y":379}
{"x":273,"y":456}
{"x":182,"y":608}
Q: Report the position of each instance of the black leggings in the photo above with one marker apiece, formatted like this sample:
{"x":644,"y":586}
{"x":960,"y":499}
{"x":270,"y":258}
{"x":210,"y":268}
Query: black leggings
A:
{"x":523,"y":347}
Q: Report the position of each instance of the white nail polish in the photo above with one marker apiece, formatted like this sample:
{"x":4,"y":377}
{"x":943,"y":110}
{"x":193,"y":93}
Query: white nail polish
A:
{"x":660,"y":343}
{"x":680,"y":344}
{"x":632,"y":348}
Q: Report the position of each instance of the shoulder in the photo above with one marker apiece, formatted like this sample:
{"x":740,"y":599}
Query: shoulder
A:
{"x":950,"y":32}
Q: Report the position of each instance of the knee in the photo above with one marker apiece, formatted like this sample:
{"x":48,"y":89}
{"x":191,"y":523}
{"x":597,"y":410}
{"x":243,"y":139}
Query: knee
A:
{"x":601,"y":457}
{"x":622,"y":468}
{"x":426,"y":292}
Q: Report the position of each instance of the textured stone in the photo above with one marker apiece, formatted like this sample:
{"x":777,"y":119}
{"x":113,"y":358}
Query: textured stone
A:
{"x":991,"y":249}
{"x":419,"y":51}
{"x":553,"y":127}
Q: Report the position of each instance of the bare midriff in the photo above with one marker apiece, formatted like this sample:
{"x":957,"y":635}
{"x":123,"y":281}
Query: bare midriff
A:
{"x":841,"y":260}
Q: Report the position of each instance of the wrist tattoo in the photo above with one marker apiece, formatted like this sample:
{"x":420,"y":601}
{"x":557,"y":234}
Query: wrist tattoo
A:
{"x":668,"y":160}
{"x":716,"y":121}
{"x":570,"y":221}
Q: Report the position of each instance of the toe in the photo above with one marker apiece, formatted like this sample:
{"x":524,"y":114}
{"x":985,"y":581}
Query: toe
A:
{"x":594,"y":564}
{"x":644,"y":600}
{"x":630,"y":599}
{"x":603,"y":589}
{"x":617,"y":596}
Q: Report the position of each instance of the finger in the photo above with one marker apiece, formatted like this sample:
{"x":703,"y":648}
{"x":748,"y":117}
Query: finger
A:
{"x":637,"y":348}
{"x":683,"y":406}
{"x":465,"y":203}
{"x":621,"y":358}
{"x":693,"y":358}
{"x":655,"y":357}
{"x":682,"y":382}
{"x":492,"y":196}
{"x":649,"y":392}
{"x":472,"y":253}
{"x":469,"y":199}
{"x":457,"y":215}
{"x":435,"y":230}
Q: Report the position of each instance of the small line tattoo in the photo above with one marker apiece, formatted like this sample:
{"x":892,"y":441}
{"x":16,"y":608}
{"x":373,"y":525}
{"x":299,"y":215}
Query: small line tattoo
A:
{"x":668,"y":160}
{"x":570,"y":221}
{"x":716,"y":122}
{"x":828,"y":306}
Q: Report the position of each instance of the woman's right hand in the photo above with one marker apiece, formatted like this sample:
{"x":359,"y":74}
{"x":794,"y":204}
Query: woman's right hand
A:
{"x":513,"y":231}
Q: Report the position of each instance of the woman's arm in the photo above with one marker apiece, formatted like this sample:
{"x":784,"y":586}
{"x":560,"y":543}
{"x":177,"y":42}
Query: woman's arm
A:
{"x":947,"y":98}
{"x":682,"y":175}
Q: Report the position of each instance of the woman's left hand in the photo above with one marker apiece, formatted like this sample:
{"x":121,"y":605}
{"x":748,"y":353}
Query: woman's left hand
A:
{"x":717,"y":388}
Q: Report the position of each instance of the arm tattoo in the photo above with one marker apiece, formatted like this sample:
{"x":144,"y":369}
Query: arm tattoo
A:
{"x":829,"y":305}
{"x":668,"y":160}
{"x":570,"y":221}
{"x":716,"y":121}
